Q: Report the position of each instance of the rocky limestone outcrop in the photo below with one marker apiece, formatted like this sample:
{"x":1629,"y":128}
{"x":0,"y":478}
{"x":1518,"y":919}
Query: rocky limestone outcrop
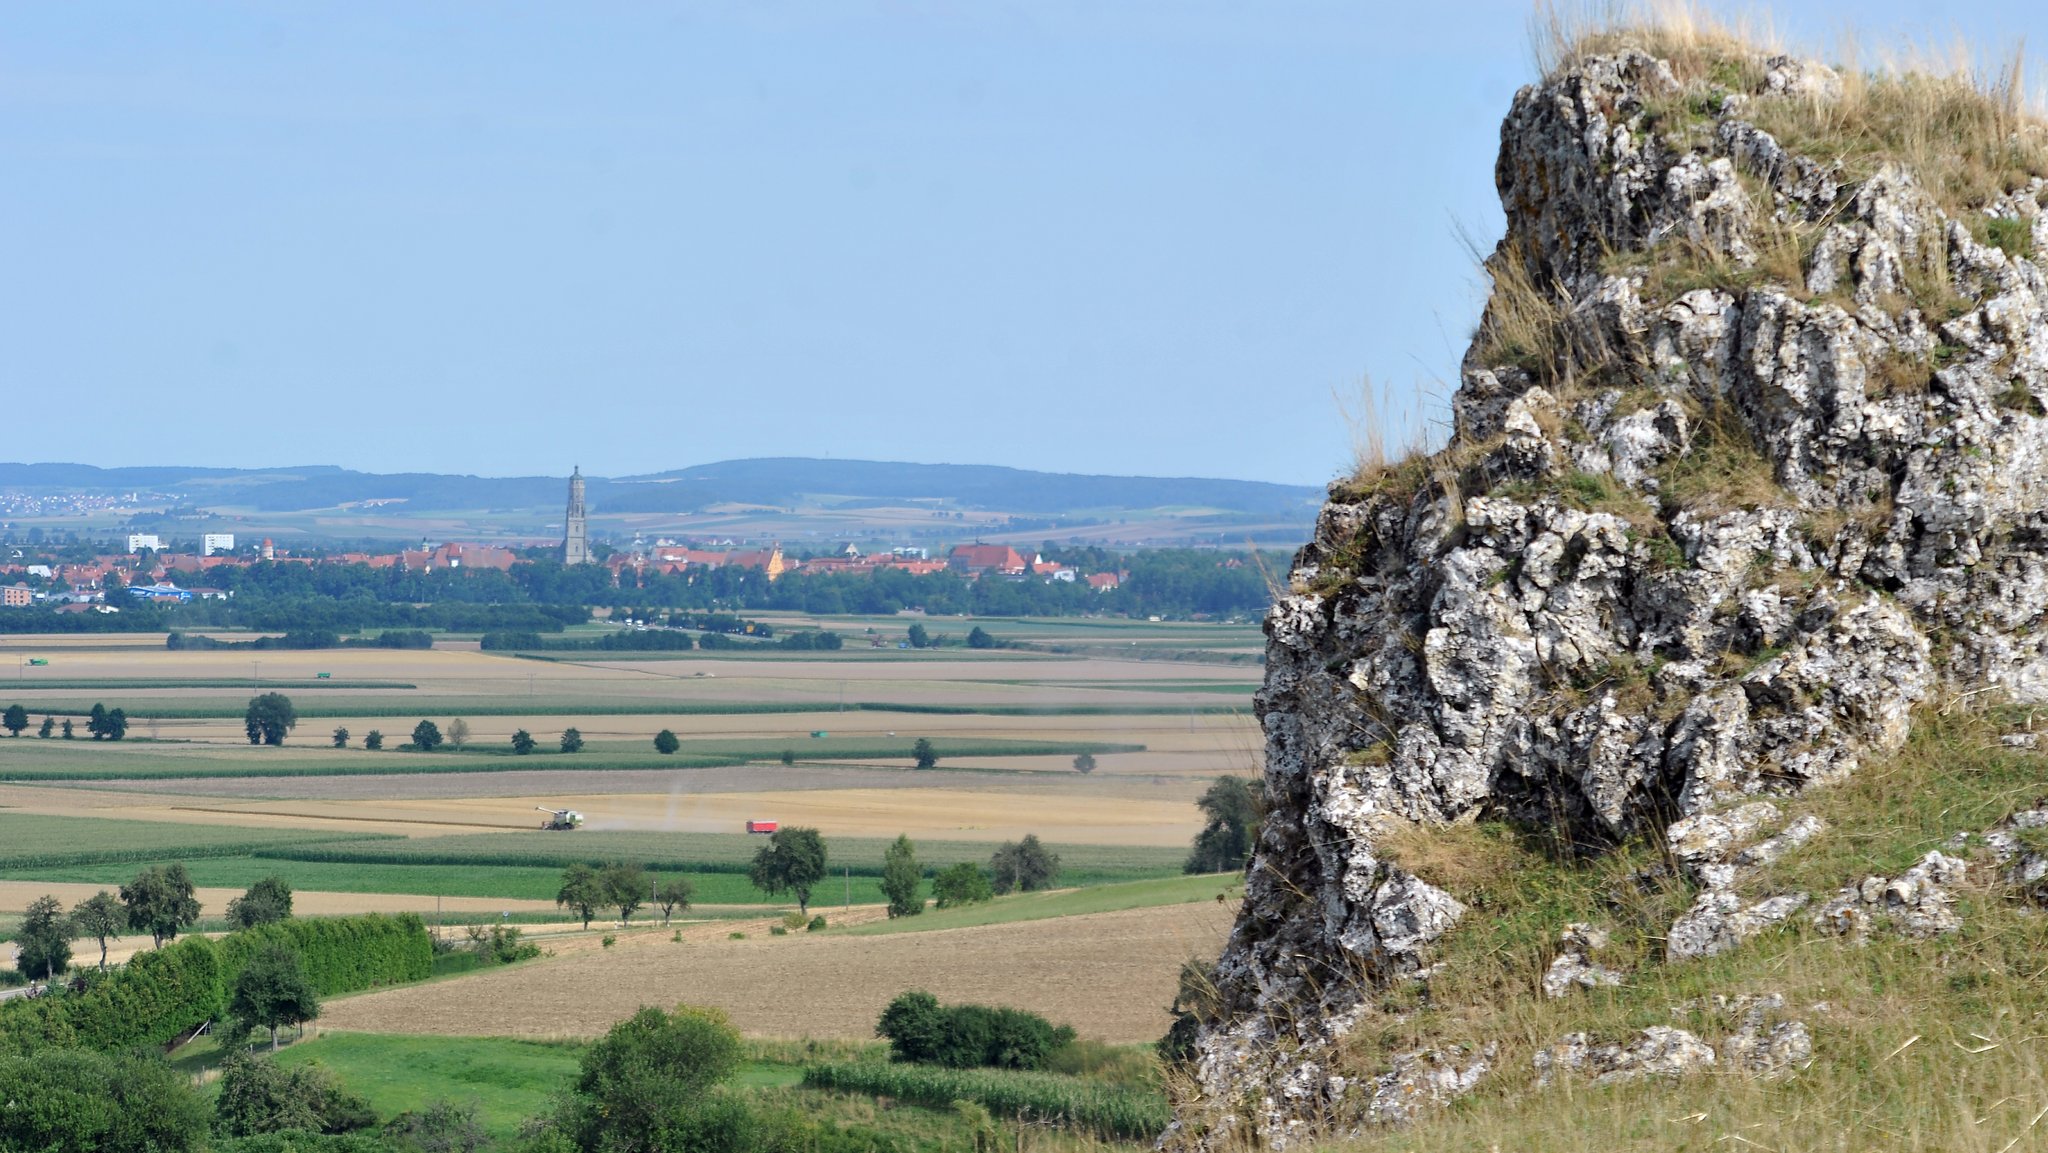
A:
{"x":1708,"y":536}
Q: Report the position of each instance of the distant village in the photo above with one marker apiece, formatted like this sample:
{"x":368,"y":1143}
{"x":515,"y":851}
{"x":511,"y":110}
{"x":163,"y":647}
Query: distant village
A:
{"x":148,"y":572}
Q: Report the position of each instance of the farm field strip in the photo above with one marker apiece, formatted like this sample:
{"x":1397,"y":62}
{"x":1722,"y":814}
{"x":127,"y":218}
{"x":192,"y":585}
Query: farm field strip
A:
{"x":708,"y":852}
{"x":1212,"y":888}
{"x":487,"y":888}
{"x":103,"y":684}
{"x":106,"y":761}
{"x":1110,"y":975}
{"x":1085,"y":813}
{"x":179,"y":709}
{"x":29,"y":840}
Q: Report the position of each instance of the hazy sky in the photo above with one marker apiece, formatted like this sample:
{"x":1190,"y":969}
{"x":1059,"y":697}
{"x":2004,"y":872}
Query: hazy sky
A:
{"x":1142,"y":237}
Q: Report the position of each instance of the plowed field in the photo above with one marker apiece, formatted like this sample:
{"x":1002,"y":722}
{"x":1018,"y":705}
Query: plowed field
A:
{"x":1109,"y":975}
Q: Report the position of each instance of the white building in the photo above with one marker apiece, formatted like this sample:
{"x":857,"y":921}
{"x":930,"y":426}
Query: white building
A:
{"x":137,"y":541}
{"x":216,"y":542}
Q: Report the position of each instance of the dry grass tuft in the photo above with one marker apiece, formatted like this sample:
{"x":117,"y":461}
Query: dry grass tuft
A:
{"x":1965,"y":128}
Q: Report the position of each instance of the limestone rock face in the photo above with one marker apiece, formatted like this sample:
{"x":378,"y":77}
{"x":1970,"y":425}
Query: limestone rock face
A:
{"x":1708,"y":541}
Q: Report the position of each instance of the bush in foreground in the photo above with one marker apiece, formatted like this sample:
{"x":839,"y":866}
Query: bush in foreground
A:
{"x":1108,"y":1111}
{"x":921,"y":1030}
{"x":260,"y":1096}
{"x":77,"y":1102}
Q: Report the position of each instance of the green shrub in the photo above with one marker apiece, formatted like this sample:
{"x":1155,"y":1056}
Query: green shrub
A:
{"x":500,"y":944}
{"x":261,"y":1096}
{"x":1107,"y":1111}
{"x":962,"y":884}
{"x":921,"y":1030}
{"x":646,"y":1085}
{"x":817,"y":923}
{"x":77,"y":1102}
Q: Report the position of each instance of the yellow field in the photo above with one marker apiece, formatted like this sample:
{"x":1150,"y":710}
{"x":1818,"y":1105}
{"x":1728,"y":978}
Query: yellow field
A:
{"x":1109,"y":975}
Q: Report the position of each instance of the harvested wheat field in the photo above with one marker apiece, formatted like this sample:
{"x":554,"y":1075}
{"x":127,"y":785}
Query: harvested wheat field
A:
{"x":1109,"y":975}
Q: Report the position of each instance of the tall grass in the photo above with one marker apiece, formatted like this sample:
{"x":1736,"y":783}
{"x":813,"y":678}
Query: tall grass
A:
{"x":1918,"y":1044}
{"x":1962,"y":123}
{"x":1071,"y":1102}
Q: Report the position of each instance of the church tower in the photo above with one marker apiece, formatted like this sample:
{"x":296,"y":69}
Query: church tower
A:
{"x":575,"y":544}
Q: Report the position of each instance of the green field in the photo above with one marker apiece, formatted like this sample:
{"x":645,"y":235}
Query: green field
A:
{"x":58,"y":760}
{"x":37,"y":842}
{"x":506,"y":1080}
{"x":511,"y":705}
{"x":1066,"y":903}
{"x":510,"y":1081}
{"x":495,"y":881}
{"x":103,"y":684}
{"x":707,"y":853}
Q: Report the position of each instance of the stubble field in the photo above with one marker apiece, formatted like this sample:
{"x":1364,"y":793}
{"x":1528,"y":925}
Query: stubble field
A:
{"x":1111,"y":975}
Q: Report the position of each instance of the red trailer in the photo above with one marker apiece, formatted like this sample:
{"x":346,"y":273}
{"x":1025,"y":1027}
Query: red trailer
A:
{"x":760,"y":826}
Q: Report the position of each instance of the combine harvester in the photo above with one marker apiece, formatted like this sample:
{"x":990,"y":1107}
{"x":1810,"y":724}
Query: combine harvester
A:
{"x":560,"y":819}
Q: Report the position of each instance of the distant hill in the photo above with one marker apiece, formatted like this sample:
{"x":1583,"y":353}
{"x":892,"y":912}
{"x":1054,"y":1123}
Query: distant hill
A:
{"x":781,"y":482}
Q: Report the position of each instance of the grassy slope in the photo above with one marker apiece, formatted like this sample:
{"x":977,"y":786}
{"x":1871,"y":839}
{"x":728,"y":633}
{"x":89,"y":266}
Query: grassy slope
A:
{"x":509,"y":1081}
{"x":1066,"y":903}
{"x":1932,"y":1044}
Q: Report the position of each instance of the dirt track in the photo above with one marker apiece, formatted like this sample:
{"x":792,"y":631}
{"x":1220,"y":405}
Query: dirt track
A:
{"x":1110,"y":975}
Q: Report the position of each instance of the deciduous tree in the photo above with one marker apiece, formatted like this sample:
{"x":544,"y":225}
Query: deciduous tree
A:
{"x":1235,"y":806}
{"x":269,"y":899}
{"x":373,"y":740}
{"x":674,"y":897}
{"x":101,"y":918}
{"x":161,"y":902}
{"x":269,"y":717}
{"x":1024,"y":866}
{"x":458,"y":733}
{"x":522,"y":742}
{"x":625,"y":886}
{"x":793,"y":861}
{"x":901,"y":877}
{"x":426,"y":736}
{"x":43,"y":943}
{"x":665,"y":742}
{"x":273,"y":991}
{"x":340,"y":738}
{"x":572,"y":741}
{"x":582,"y":892}
{"x":923,"y":753}
{"x":16,"y":720}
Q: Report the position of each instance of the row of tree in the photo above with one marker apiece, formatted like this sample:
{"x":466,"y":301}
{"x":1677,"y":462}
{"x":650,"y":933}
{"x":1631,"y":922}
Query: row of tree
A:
{"x":103,"y":723}
{"x":161,"y":901}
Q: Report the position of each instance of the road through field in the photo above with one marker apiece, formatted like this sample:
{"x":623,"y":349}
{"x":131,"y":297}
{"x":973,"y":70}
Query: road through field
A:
{"x":1109,"y":975}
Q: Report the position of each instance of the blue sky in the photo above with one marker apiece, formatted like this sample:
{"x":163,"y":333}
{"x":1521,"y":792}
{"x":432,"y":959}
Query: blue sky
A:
{"x":1147,"y":237}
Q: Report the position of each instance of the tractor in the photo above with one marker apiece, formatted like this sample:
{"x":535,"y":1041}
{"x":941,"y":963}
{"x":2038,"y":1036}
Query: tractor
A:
{"x":560,"y":819}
